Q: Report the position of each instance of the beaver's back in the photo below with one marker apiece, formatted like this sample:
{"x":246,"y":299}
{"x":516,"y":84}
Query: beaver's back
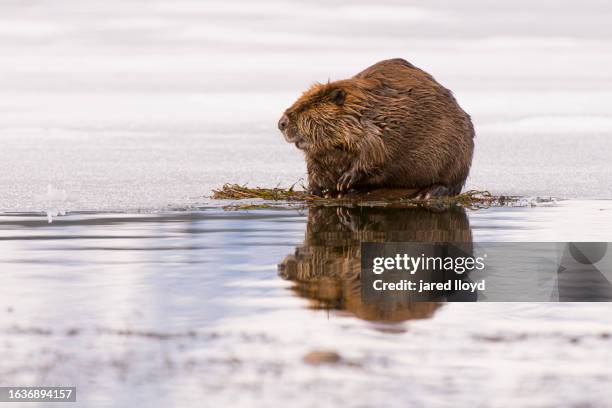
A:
{"x":429,"y":138}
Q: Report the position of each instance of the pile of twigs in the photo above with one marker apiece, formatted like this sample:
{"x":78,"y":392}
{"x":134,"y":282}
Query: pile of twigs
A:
{"x":469,"y":199}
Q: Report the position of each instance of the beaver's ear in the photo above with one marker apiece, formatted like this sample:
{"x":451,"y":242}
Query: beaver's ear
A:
{"x":337,"y":96}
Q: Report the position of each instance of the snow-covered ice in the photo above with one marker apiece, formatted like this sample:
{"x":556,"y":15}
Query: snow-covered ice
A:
{"x":131,"y":105}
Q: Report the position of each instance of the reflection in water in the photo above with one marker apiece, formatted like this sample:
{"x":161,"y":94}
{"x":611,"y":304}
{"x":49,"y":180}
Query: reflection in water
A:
{"x":326,"y":267}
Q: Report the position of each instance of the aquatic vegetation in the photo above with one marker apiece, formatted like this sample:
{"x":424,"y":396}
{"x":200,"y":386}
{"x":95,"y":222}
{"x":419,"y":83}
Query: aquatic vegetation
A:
{"x":238,"y":192}
{"x":272,"y":197}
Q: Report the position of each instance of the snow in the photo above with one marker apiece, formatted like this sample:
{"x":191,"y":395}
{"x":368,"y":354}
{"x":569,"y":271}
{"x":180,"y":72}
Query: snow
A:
{"x":145,"y":106}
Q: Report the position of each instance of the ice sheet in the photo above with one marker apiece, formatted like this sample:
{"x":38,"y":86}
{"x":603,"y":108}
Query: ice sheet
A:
{"x":130,"y":105}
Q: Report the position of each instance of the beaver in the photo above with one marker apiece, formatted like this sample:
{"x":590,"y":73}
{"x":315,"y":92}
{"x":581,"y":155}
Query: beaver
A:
{"x":390,"y":126}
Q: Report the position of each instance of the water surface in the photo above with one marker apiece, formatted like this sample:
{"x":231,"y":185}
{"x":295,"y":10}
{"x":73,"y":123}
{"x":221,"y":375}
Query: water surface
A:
{"x":221,"y":306}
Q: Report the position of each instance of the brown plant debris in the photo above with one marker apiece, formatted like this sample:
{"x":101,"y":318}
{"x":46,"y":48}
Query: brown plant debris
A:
{"x":401,"y":197}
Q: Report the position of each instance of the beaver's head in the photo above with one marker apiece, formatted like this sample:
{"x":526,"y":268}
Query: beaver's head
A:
{"x":326,"y":116}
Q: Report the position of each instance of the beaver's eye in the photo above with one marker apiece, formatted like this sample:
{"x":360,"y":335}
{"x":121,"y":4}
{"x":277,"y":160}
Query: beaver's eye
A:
{"x":337,"y":96}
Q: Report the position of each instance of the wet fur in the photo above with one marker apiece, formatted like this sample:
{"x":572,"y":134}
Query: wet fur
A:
{"x":391,"y":125}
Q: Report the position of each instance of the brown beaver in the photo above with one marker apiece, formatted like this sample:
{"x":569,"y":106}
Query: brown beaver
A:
{"x":390,"y":126}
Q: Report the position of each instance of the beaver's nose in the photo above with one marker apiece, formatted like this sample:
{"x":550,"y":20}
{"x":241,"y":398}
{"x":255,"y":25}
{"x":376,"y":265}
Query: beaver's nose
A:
{"x":283,"y":123}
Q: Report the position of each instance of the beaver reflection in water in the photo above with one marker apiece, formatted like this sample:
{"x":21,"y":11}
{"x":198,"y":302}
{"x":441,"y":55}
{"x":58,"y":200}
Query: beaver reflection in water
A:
{"x":390,"y":126}
{"x":326,"y":268}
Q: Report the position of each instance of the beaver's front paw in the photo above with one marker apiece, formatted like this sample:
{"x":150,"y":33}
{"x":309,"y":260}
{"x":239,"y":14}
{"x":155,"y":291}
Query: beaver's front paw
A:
{"x":348,"y":180}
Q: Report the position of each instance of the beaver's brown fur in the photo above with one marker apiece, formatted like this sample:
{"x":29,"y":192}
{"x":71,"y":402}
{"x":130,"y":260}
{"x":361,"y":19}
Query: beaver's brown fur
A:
{"x":391,"y":125}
